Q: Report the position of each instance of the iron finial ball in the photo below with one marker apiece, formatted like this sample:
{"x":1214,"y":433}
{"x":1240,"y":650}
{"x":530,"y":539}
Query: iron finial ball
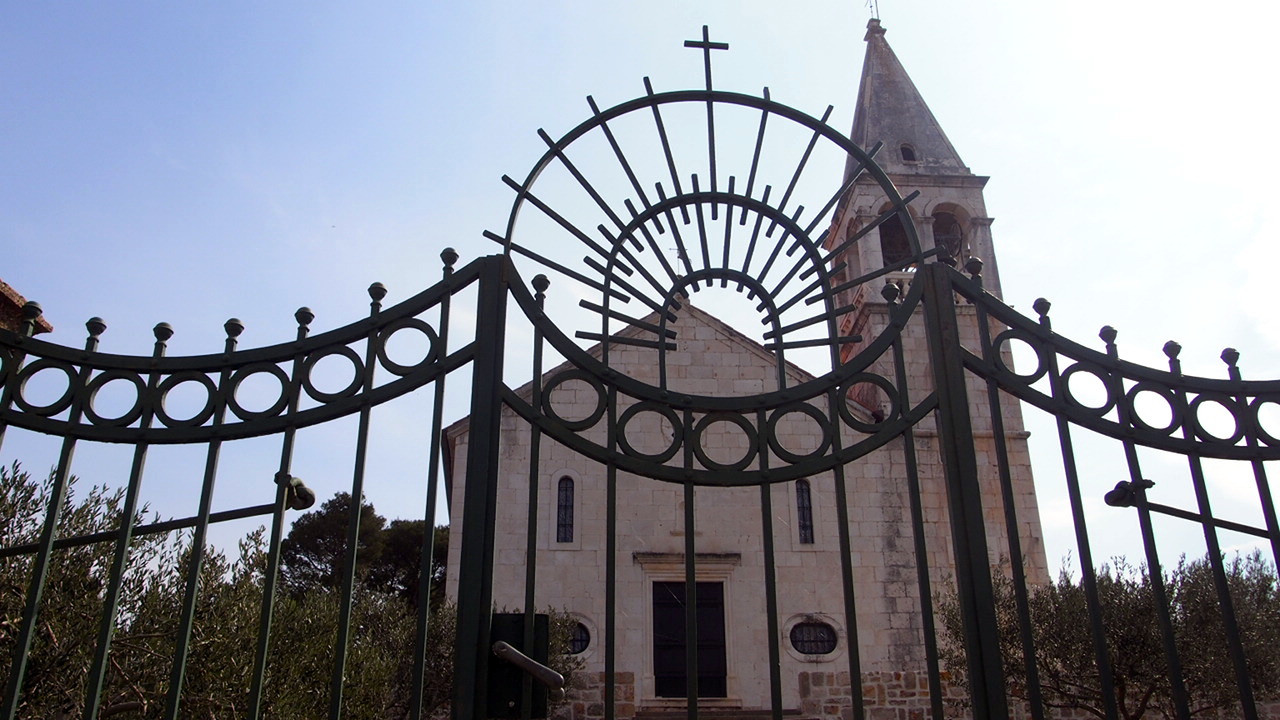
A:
{"x":163,"y":331}
{"x":1108,"y":334}
{"x":31,"y":311}
{"x":541,"y":283}
{"x":377,"y":291}
{"x":449,"y":256}
{"x":1041,"y":306}
{"x":1230,"y":356}
{"x":973,"y":266}
{"x":233,"y":327}
{"x":1171,"y":349}
{"x":890,"y":291}
{"x":304,"y":316}
{"x":96,"y":326}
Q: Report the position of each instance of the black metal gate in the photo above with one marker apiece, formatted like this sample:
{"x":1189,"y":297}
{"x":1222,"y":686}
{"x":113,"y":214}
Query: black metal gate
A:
{"x":907,"y":393}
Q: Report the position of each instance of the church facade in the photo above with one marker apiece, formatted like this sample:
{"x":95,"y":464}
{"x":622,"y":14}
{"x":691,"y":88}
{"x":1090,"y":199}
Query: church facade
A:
{"x":893,"y":528}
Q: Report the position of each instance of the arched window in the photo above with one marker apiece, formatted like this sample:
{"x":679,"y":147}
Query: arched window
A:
{"x":804,"y":512}
{"x":908,"y":153}
{"x":894,"y":245}
{"x":580,"y":640}
{"x":947,"y":234}
{"x":564,"y":510}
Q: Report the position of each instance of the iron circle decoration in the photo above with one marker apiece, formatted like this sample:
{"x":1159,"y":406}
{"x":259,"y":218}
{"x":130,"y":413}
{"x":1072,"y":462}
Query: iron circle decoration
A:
{"x":433,"y":352}
{"x":63,"y":401}
{"x":133,"y":413}
{"x":1087,"y":368}
{"x":264,"y":368}
{"x":1014,"y":334}
{"x":357,"y":376}
{"x":639,"y":249}
{"x":752,"y":444}
{"x":176,"y":379}
{"x":847,"y":414}
{"x":804,"y":409}
{"x":1135,"y":417}
{"x":1255,"y":409}
{"x":1227,"y":402}
{"x":592,"y":417}
{"x":668,"y":414}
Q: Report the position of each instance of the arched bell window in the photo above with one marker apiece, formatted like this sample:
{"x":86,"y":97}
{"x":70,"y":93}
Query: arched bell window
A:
{"x":947,"y":234}
{"x":908,"y":153}
{"x":895,"y":248}
{"x":564,"y":510}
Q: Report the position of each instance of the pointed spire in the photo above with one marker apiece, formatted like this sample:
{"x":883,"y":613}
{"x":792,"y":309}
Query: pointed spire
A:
{"x":890,"y":110}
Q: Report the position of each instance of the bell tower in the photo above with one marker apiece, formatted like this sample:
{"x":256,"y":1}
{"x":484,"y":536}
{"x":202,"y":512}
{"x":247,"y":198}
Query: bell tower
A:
{"x":948,"y":213}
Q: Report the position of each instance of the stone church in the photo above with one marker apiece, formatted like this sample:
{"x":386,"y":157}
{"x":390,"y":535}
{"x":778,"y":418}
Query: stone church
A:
{"x":713,"y":358}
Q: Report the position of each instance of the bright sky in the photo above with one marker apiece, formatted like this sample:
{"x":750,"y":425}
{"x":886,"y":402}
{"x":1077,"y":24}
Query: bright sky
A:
{"x":192,"y":162}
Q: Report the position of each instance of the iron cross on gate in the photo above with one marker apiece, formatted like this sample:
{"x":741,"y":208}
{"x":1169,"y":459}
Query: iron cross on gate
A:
{"x":707,"y":46}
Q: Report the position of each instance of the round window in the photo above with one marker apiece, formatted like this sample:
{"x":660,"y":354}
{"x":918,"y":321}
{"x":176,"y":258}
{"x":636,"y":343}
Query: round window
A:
{"x":580,"y":639}
{"x":813,"y":638}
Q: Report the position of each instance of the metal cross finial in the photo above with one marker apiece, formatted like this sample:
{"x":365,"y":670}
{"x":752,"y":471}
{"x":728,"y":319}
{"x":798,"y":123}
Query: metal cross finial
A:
{"x":707,"y":46}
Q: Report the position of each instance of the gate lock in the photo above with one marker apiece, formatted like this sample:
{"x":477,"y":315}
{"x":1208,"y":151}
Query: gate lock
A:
{"x":507,"y":677}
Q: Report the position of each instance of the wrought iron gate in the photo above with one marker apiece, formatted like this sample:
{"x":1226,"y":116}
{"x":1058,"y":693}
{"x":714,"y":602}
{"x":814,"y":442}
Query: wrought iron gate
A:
{"x":912,"y":395}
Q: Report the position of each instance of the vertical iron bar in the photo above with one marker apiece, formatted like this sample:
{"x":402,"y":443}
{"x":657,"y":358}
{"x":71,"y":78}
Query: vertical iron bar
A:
{"x":338,"y":677}
{"x":770,"y":570}
{"x":198,"y":537}
{"x":611,"y":547}
{"x":1232,"y":357}
{"x":475,"y":576}
{"x":611,"y":567}
{"x":48,"y":532}
{"x":917,"y":524}
{"x":1225,"y":606}
{"x":450,"y":256}
{"x":964,"y":493}
{"x":1007,"y":498}
{"x":690,"y":605}
{"x":846,"y":566}
{"x":690,"y":577}
{"x":1088,"y":577}
{"x":124,"y":538}
{"x":270,"y":578}
{"x":540,"y":284}
{"x":1155,"y":570}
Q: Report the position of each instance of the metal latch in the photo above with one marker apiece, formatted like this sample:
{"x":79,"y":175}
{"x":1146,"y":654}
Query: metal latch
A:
{"x":539,"y":672}
{"x":516,"y":666}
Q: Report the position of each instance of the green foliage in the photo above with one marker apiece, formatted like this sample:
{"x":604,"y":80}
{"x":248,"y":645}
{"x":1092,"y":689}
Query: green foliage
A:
{"x":379,"y":660}
{"x":77,"y":579}
{"x":1065,"y":657}
{"x":388,"y":558}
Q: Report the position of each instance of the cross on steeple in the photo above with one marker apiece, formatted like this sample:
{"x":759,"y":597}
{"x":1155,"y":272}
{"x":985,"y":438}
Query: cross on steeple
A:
{"x":706,"y":46}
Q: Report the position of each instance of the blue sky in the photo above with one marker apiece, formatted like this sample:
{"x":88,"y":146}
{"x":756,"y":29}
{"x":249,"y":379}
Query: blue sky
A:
{"x":189,"y":162}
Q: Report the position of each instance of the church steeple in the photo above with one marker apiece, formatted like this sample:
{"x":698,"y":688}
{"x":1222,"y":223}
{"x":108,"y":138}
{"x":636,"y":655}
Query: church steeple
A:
{"x":948,"y":211}
{"x":890,"y":110}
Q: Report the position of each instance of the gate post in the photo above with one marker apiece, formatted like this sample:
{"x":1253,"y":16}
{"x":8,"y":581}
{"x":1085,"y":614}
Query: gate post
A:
{"x":964,"y":496}
{"x":479,"y":497}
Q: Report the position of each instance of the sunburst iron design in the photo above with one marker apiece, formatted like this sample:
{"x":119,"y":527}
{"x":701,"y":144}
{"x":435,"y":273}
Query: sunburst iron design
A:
{"x":649,"y":207}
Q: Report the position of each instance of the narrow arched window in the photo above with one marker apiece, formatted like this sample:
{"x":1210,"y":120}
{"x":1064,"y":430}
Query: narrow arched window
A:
{"x":947,"y":234}
{"x":804,"y":512}
{"x":564,"y":510}
{"x":895,"y":247}
{"x":908,"y":153}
